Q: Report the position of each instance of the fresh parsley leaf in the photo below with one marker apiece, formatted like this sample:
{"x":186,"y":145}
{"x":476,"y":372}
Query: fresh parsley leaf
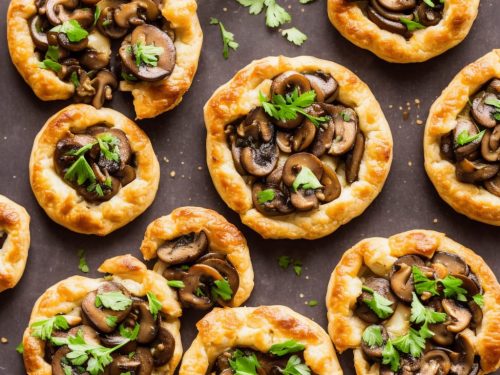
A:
{"x":452,"y":288}
{"x":66,"y":369}
{"x":266,"y":195}
{"x":411,"y":25}
{"x":43,"y":328}
{"x":479,"y":299}
{"x":116,"y":301}
{"x":297,"y":267}
{"x":128,"y":77}
{"x":52,"y":53}
{"x":284,"y":261}
{"x":111,"y":321}
{"x":312,"y":303}
{"x":72,"y":29}
{"x":430,"y":3}
{"x":50,"y":65}
{"x":20,"y":348}
{"x":227,"y":38}
{"x":179,"y":284}
{"x":82,"y":262}
{"x":154,"y":304}
{"x":147,"y":54}
{"x":496,"y":116}
{"x":379,"y":305}
{"x":345,"y":116}
{"x":295,"y":366}
{"x":425,"y":332}
{"x":256,"y":6}
{"x":424,"y":315}
{"x":305,"y":1}
{"x":244,"y":365}
{"x":411,"y":343}
{"x":128,"y":333}
{"x":276,"y":15}
{"x":372,"y":336}
{"x":222,"y":289}
{"x":74,"y":79}
{"x":306,"y":179}
{"x":390,"y":356}
{"x":97,"y":14}
{"x":81,"y":171}
{"x":58,"y":341}
{"x":494,"y":102}
{"x":82,"y":150}
{"x":464,"y":138}
{"x":199,"y":292}
{"x":109,"y":146}
{"x":422,"y":283}
{"x":286,"y":347}
{"x":294,"y":35}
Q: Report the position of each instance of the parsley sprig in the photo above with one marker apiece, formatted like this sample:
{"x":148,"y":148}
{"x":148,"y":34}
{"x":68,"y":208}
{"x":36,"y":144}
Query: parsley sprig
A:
{"x":451,"y":285}
{"x":179,"y":284}
{"x":286,"y":347}
{"x":372,"y":336}
{"x":154,"y":304}
{"x":72,"y":29}
{"x":390,"y":356}
{"x":147,"y":54}
{"x":116,"y":301}
{"x":265,"y":195}
{"x":227,"y":38}
{"x":244,"y":364}
{"x":425,"y":316}
{"x":411,"y":25}
{"x":80,"y":171}
{"x":411,"y":343}
{"x":294,"y":35}
{"x":43,"y":328}
{"x":380,"y":305}
{"x":294,"y":366}
{"x":109,"y":146}
{"x":82,"y":261}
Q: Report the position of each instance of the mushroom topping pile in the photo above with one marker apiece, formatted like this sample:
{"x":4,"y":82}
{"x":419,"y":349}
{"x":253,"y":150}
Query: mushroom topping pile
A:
{"x":97,"y":163}
{"x":297,"y":149}
{"x":422,"y":319}
{"x":112,"y":334}
{"x":283,"y":358}
{"x":202,"y":276}
{"x":474,"y":144}
{"x":74,"y":39}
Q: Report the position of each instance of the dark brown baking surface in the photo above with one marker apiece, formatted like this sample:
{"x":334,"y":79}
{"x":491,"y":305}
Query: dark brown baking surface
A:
{"x":408,"y":200}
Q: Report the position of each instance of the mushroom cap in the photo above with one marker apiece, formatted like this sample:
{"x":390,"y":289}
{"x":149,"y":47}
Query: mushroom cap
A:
{"x":148,"y":325}
{"x":163,"y":347}
{"x":260,"y":161}
{"x":465,"y":125}
{"x":345,"y":132}
{"x":459,"y":316}
{"x":390,"y":15}
{"x":295,"y":162}
{"x":286,"y":82}
{"x":428,"y":16}
{"x":482,"y":112}
{"x":493,"y":185}
{"x":195,"y":278}
{"x":401,"y":279}
{"x":332,"y":187}
{"x":475,"y":171}
{"x":37,"y":32}
{"x":454,"y":263}
{"x":463,"y":363}
{"x":435,"y":362}
{"x":325,"y":86}
{"x":183,"y":249}
{"x":398,"y":5}
{"x":490,"y":145}
{"x":385,"y":23}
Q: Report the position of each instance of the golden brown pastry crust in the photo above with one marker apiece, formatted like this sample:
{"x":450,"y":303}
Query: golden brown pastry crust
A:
{"x":66,"y":296}
{"x":473,"y":201}
{"x":258,"y":328}
{"x":15,"y":222}
{"x":378,"y":254}
{"x":61,"y":201}
{"x":223,"y":237}
{"x":237,"y":97}
{"x":458,"y":16}
{"x":150,"y":98}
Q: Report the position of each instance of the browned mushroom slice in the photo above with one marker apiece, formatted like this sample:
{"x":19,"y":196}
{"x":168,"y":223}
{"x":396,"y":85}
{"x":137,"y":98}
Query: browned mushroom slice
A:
{"x":104,"y":83}
{"x":36,"y":26}
{"x":494,"y":86}
{"x":303,"y":136}
{"x":346,"y":128}
{"x":58,"y":11}
{"x":183,"y":249}
{"x":62,"y":155}
{"x":435,"y":362}
{"x":459,"y":317}
{"x":236,"y":154}
{"x":284,"y":141}
{"x":402,"y":281}
{"x":64,"y":42}
{"x":493,"y":185}
{"x":94,"y":196}
{"x":475,"y":171}
{"x":98,"y":53}
{"x":136,"y":13}
{"x":127,"y":175}
{"x":398,"y":5}
{"x":294,"y":164}
{"x":107,"y":25}
{"x":428,"y":16}
{"x":227,"y":271}
{"x":123,"y":364}
{"x":453,"y":262}
{"x":174,"y":273}
{"x":58,"y":359}
{"x":196,"y":293}
{"x":278,"y":205}
{"x":482,"y":112}
{"x":468,"y":284}
{"x":114,"y":339}
{"x":380,"y":286}
{"x":375,"y":352}
{"x":465,"y":126}
{"x":148,"y":35}
{"x":324,"y":138}
{"x":124,"y":149}
{"x":463,"y":362}
{"x":353,"y":159}
{"x":258,"y":120}
{"x":260,"y":161}
{"x":385,"y":23}
{"x":331,"y":183}
{"x":148,"y":325}
{"x":304,"y":200}
{"x":389,"y":14}
{"x":163,"y":347}
{"x":446,"y":147}
{"x":98,"y":315}
{"x":325,"y":86}
{"x":490,"y":145}
{"x":144,"y":356}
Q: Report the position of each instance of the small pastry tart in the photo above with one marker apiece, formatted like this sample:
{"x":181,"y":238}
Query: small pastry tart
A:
{"x":202,"y":255}
{"x":306,"y":161}
{"x":405,"y":31}
{"x":267,"y":337}
{"x":63,"y":48}
{"x":462,"y":141}
{"x":93,"y":170}
{"x":126,"y":321}
{"x":14,"y":242}
{"x":416,"y":302}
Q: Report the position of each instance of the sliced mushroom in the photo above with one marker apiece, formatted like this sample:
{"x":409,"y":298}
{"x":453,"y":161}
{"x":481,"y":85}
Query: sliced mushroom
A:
{"x":389,"y":14}
{"x":324,"y":138}
{"x":114,"y":339}
{"x":148,"y":35}
{"x":303,"y":136}
{"x":468,"y":284}
{"x":58,"y":359}
{"x":148,"y":325}
{"x":279,"y":205}
{"x":490,"y":145}
{"x":58,"y":11}
{"x":402,"y":281}
{"x":62,"y":157}
{"x":294,"y":164}
{"x":446,"y":147}
{"x":257,"y":118}
{"x":304,"y":200}
{"x":136,"y":13}
{"x":493,"y":185}
{"x":475,"y":171}
{"x":174,"y":273}
{"x":482,"y":112}
{"x":163,"y":347}
{"x":382,"y":287}
{"x":435,"y":362}
{"x":144,"y":356}
{"x":398,"y":5}
{"x":467,"y":126}
{"x":284,"y":141}
{"x":104,"y":83}
{"x":494,"y":86}
{"x":64,"y":42}
{"x":124,"y":364}
{"x":331,"y":185}
{"x":453,"y":262}
{"x":227,"y":271}
{"x":124,"y":148}
{"x":375,"y":352}
{"x":108,"y":26}
{"x":459,"y":317}
{"x":385,"y":23}
{"x":463,"y":363}
{"x":260,"y":161}
{"x":98,"y":52}
{"x":353,"y":159}
{"x":477,"y":314}
{"x":183,"y":249}
{"x":197,"y":279}
{"x":346,"y":128}
{"x":36,"y":26}
{"x":325,"y":86}
{"x":428,"y":16}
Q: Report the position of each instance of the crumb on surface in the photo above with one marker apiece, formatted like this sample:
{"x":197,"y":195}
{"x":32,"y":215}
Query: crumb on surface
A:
{"x":419,"y":122}
{"x":435,"y":220}
{"x":410,"y":163}
{"x":200,"y":167}
{"x":406,"y":115}
{"x":172,"y":174}
{"x":165,"y":159}
{"x":4,"y":340}
{"x":390,"y":105}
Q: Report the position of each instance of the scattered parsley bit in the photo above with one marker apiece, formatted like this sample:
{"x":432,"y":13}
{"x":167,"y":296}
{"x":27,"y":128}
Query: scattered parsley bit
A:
{"x":179,"y":284}
{"x":422,"y":283}
{"x":390,"y":356}
{"x":294,"y":35}
{"x":222,"y":289}
{"x":97,"y":14}
{"x":411,"y":343}
{"x":494,"y":102}
{"x":111,"y":321}
{"x":116,"y":301}
{"x":464,"y":137}
{"x":372,"y":336}
{"x":43,"y":328}
{"x":256,"y":6}
{"x":345,"y":116}
{"x":72,"y":29}
{"x":479,"y":299}
{"x":312,"y":303}
{"x":50,"y":65}
{"x":284,"y":261}
{"x":430,"y":3}
{"x":185,"y":267}
{"x":82,"y":263}
{"x":74,"y":79}
{"x":52,"y":53}
{"x":276,"y":15}
{"x":128,"y":333}
{"x":266,"y":195}
{"x":147,"y":54}
{"x":81,"y":171}
{"x":154,"y":304}
{"x":20,"y":348}
{"x":305,"y":1}
{"x":244,"y":365}
{"x":66,"y":369}
{"x":109,"y":146}
{"x":306,"y":179}
{"x":425,"y":316}
{"x":378,"y":304}
{"x":452,"y":288}
{"x":128,"y":77}
{"x":82,"y":150}
{"x":286,"y":347}
{"x":297,"y":267}
{"x":411,"y":25}
{"x":227,"y":38}
{"x":295,"y":366}
{"x":126,"y":373}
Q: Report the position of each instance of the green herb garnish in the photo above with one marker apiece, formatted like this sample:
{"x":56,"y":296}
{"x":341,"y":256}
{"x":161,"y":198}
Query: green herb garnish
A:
{"x":227,"y":38}
{"x":147,"y":54}
{"x":111,"y":321}
{"x":80,"y":171}
{"x":295,"y":366}
{"x":294,"y":35}
{"x":82,"y":261}
{"x":116,"y":301}
{"x":411,"y":25}
{"x":390,"y":356}
{"x":222,"y":289}
{"x":154,"y":304}
{"x":266,"y":195}
{"x":372,"y":336}
{"x":72,"y":29}
{"x":43,"y":328}
{"x":411,"y":343}
{"x":179,"y":284}
{"x":50,"y":65}
{"x":306,"y":179}
{"x":286,"y":347}
{"x":378,"y":304}
{"x":243,"y":364}
{"x":479,"y":299}
{"x":464,"y":137}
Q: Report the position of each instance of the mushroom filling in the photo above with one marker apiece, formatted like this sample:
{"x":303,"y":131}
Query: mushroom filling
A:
{"x":282,"y":358}
{"x":75,"y":40}
{"x":298,"y":148}
{"x":113,"y":333}
{"x":202,"y":276}
{"x":423,"y":317}
{"x":403,"y":16}
{"x":474,"y":144}
{"x":97,"y":163}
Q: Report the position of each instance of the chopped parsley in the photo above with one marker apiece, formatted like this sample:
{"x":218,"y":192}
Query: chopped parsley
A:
{"x":50,"y":65}
{"x":276,"y":15}
{"x":72,"y":29}
{"x":430,"y":3}
{"x":464,"y":137}
{"x":179,"y":284}
{"x":128,"y":333}
{"x":378,"y":304}
{"x":390,"y":356}
{"x":80,"y":171}
{"x":266,"y":195}
{"x":312,"y":303}
{"x":20,"y":348}
{"x":306,"y":179}
{"x":128,"y":77}
{"x":97,"y":14}
{"x":52,"y":53}
{"x":43,"y":328}
{"x":227,"y":38}
{"x":111,"y":321}
{"x":295,"y":366}
{"x":109,"y":146}
{"x":154,"y":304}
{"x":297,"y":267}
{"x":243,"y":364}
{"x":284,"y":261}
{"x":286,"y":347}
{"x":451,"y":285}
{"x":74,"y":79}
{"x":411,"y":343}
{"x":479,"y":299}
{"x":222,"y":289}
{"x":147,"y":54}
{"x":453,"y":289}
{"x":425,"y":316}
{"x":372,"y":336}
{"x":116,"y":301}
{"x":82,"y":262}
{"x":294,"y":35}
{"x":422,"y":283}
{"x":411,"y":25}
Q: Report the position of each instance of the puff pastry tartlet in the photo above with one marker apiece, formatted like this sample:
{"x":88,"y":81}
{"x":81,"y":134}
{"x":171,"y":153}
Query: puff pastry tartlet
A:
{"x":202,"y":255}
{"x":302,"y":172}
{"x":462,"y":141}
{"x":404,"y":31}
{"x":14,"y":242}
{"x":93,"y":170}
{"x":128,"y":320}
{"x":265,"y":337}
{"x":63,"y":48}
{"x":417,"y":303}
